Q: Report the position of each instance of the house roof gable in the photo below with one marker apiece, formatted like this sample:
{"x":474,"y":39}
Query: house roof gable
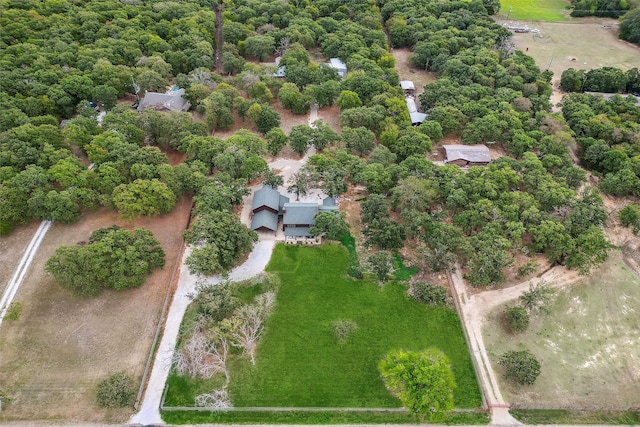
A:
{"x":267,"y":196}
{"x":264,"y":219}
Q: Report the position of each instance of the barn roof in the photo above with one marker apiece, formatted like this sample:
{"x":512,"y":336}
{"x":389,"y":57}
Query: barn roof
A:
{"x":471,"y":153}
{"x":164,"y":101}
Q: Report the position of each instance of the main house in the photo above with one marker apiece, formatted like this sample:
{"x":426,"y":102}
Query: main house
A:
{"x":269,"y":207}
{"x":298,"y":218}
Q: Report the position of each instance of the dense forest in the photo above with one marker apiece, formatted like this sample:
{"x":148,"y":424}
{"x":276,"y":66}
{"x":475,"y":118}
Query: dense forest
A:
{"x":59,"y":55}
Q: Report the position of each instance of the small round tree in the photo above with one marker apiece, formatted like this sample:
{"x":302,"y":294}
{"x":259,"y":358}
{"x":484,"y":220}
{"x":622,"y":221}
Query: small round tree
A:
{"x":422,"y":380}
{"x":521,"y":366}
{"x":117,"y":391}
{"x":516,"y":318}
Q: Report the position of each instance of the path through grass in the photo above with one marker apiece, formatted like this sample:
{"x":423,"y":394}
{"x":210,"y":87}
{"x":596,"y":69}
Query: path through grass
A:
{"x":299,"y":361}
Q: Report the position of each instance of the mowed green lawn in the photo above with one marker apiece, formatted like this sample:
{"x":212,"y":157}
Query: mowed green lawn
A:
{"x":534,"y":10}
{"x":299,"y":361}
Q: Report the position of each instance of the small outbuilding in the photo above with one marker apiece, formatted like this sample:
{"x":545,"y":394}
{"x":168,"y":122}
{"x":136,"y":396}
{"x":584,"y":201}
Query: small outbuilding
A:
{"x":408,"y":87}
{"x":280,"y":72}
{"x":173,"y":101}
{"x":467,"y":155}
{"x":339,"y":66}
{"x":416,"y":117}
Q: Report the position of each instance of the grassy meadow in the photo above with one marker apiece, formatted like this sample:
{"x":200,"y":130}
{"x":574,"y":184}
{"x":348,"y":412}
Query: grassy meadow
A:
{"x":301,"y":364}
{"x":534,"y":10}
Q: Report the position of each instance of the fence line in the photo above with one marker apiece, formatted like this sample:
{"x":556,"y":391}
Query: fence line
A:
{"x":456,"y":303}
{"x":587,"y":408}
{"x":284,"y":409}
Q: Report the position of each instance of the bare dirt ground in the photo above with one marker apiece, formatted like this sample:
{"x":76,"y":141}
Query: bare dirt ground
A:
{"x":12,"y":248}
{"x":53,"y":357}
{"x":407,"y":71}
{"x":588,"y":344}
{"x":331,"y":117}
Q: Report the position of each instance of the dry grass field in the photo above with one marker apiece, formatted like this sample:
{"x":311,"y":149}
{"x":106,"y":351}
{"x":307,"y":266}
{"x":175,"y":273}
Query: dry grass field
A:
{"x":591,"y":42}
{"x":12,"y":248}
{"x":588,"y":344}
{"x":52,"y":358}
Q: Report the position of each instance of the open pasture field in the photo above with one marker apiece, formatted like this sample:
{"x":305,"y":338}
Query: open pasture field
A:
{"x":534,"y":10}
{"x":301,"y":364}
{"x":52,"y":358}
{"x":593,"y":42}
{"x":588,"y":344}
{"x":12,"y":249}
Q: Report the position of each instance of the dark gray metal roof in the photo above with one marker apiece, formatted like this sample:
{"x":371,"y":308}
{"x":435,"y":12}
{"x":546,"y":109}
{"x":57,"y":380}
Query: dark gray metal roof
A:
{"x":297,"y":232}
{"x":299,"y":213}
{"x":267,"y":196}
{"x":164,"y":101}
{"x":328,"y":201}
{"x":264,"y":219}
{"x":283,"y":200}
{"x":471,"y":153}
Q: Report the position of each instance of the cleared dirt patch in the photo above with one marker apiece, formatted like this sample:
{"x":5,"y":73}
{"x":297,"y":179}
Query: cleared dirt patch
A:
{"x":331,"y":117}
{"x":407,"y":71}
{"x":588,"y":345}
{"x":62,"y":346}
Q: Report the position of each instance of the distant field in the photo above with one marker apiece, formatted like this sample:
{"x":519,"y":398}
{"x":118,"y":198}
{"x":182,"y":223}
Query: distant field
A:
{"x":534,"y":10}
{"x":588,"y":344}
{"x":581,"y":44}
{"x":299,"y":362}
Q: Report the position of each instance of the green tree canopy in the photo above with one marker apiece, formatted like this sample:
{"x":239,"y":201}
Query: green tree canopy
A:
{"x":331,"y":224}
{"x":423,"y":381}
{"x":219,"y":240}
{"x":143,"y":197}
{"x":114,"y":258}
{"x":521,"y":366}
